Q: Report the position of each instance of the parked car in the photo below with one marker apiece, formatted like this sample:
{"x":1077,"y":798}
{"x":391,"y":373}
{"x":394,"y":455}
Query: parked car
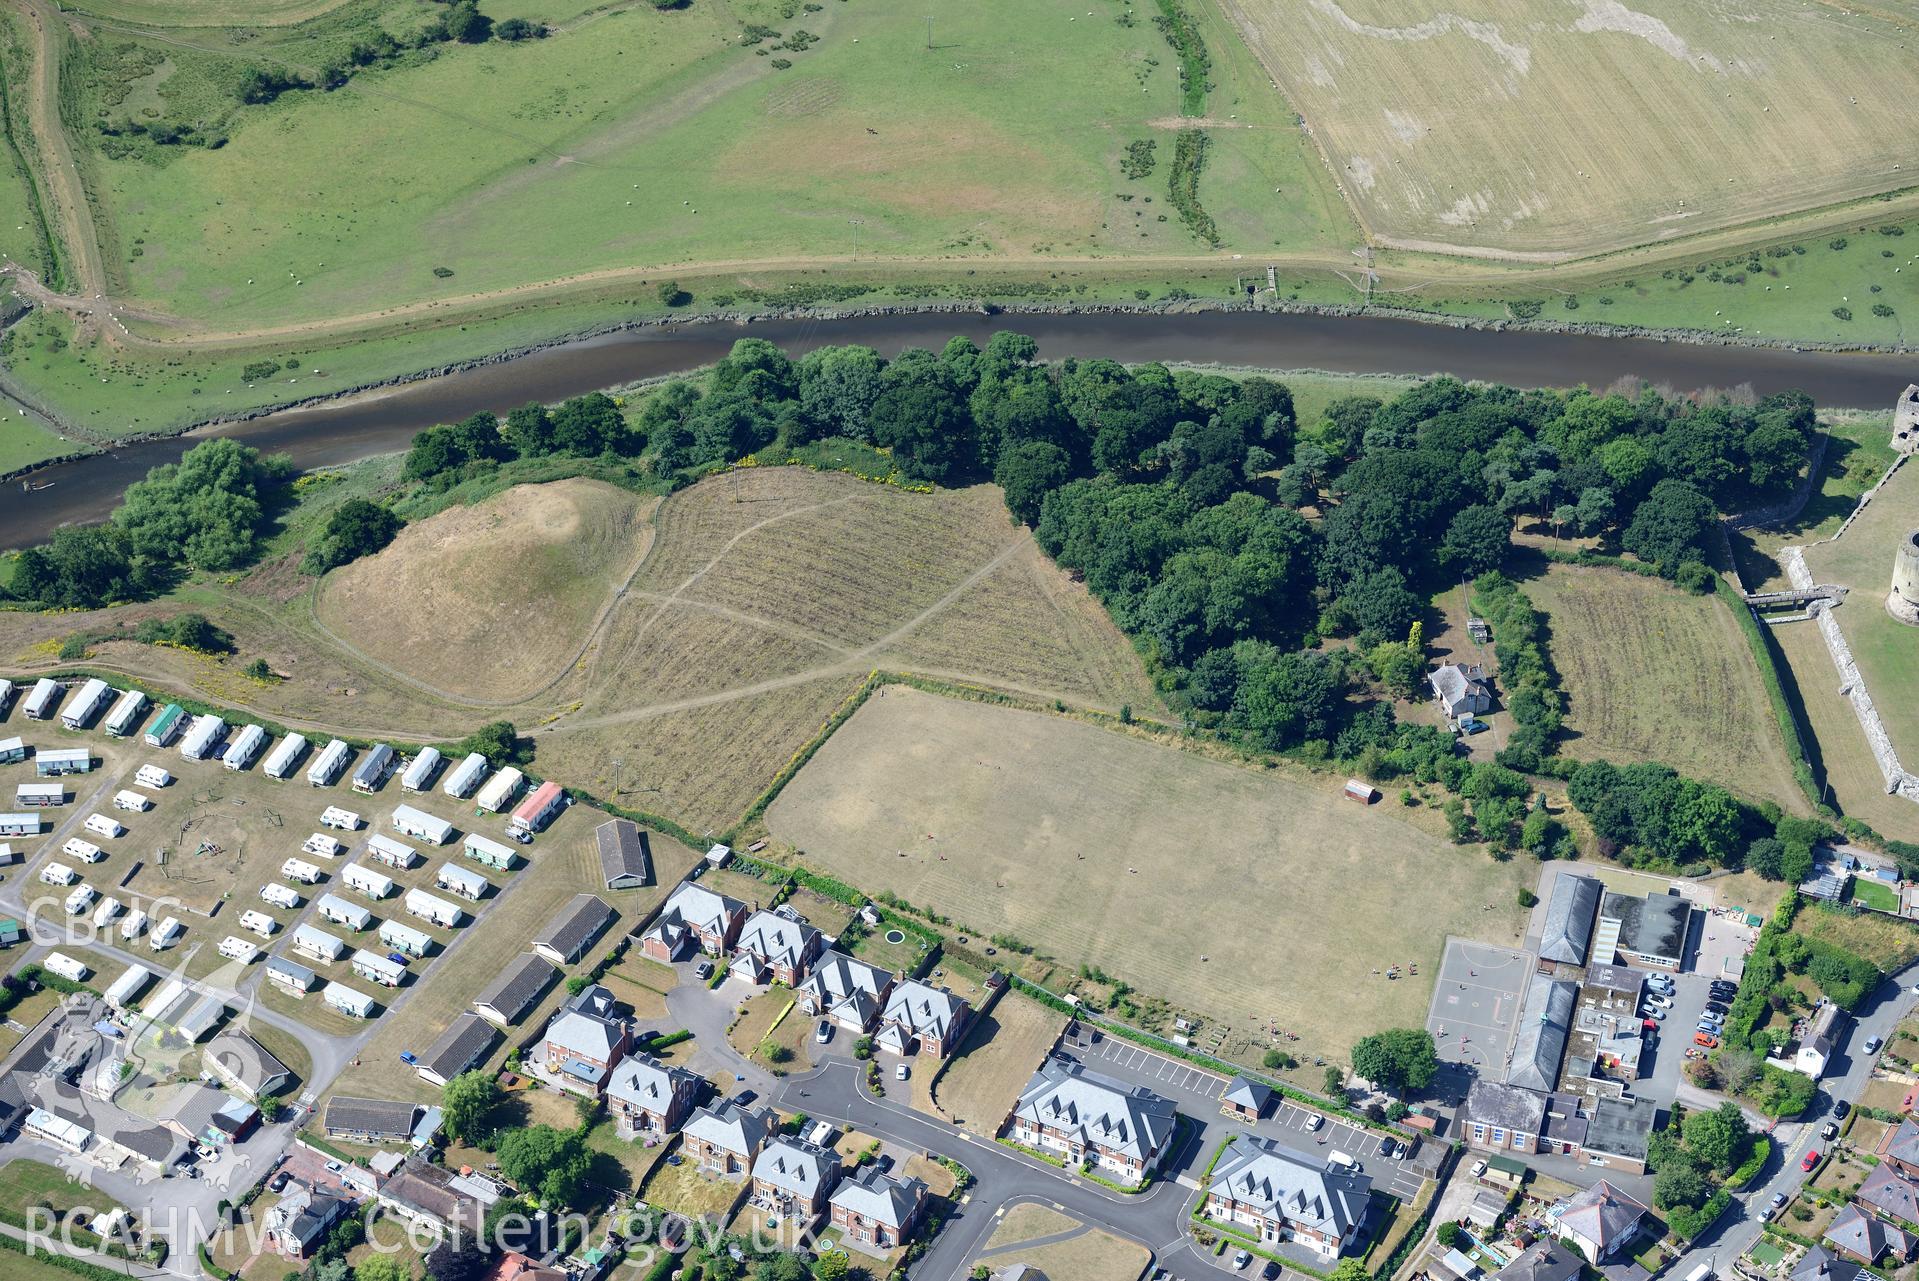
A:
{"x":1708,"y":1041}
{"x":1872,"y":1044}
{"x":703,"y":971}
{"x":1718,"y":1007}
{"x":409,"y":1058}
{"x":899,"y":1073}
{"x":1659,"y":1002}
{"x":1479,"y":1168}
{"x":1840,"y":1109}
{"x":1386,"y":1148}
{"x":1653,"y":1013}
{"x":1659,"y":983}
{"x":1809,"y":1160}
{"x":1829,"y":1131}
{"x":1241,"y":1259}
{"x":1778,"y":1203}
{"x":1313,"y":1121}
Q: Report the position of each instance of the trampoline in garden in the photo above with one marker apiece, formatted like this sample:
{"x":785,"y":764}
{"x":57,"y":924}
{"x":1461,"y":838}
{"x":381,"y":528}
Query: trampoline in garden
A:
{"x":896,"y":937}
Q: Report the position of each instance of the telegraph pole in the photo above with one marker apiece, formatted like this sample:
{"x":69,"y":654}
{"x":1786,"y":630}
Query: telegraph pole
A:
{"x":929,"y":31}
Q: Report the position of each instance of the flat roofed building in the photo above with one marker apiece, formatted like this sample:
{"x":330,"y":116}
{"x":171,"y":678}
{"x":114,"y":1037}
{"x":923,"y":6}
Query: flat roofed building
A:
{"x":1650,"y":931}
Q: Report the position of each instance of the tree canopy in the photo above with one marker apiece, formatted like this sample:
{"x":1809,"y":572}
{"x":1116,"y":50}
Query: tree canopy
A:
{"x":1398,"y":1060}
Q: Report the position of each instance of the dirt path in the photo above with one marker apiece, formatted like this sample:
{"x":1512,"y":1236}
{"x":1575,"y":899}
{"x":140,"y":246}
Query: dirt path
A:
{"x":71,"y":215}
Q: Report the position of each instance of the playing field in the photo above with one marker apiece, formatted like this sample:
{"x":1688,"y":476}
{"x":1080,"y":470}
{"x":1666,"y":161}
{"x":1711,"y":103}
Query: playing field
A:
{"x":1543,"y":129}
{"x":1653,"y":673}
{"x":1173,"y":872}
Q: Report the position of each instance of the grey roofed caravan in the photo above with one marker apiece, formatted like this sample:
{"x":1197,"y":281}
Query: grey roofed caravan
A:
{"x":1569,"y":920}
{"x":626,"y":858}
{"x":1540,"y":1040}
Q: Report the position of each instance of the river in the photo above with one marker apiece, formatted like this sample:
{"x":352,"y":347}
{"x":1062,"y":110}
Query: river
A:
{"x":357,"y":427}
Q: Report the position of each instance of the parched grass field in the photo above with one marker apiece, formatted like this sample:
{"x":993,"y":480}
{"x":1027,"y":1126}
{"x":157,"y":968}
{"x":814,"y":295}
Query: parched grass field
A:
{"x":1888,"y":943}
{"x":1561,"y":130}
{"x":999,"y":1054}
{"x":1167,"y":869}
{"x":1654,"y":673}
{"x":537,"y":564}
{"x":1090,"y":1255}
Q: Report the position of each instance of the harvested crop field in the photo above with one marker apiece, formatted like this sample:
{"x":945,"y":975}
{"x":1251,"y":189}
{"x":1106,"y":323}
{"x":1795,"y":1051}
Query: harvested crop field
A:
{"x":1653,"y":673}
{"x":1553,"y":130}
{"x":1101,"y":848}
{"x":535,"y":566}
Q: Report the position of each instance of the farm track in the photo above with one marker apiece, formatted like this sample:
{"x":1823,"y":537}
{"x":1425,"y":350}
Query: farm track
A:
{"x":72,"y":219}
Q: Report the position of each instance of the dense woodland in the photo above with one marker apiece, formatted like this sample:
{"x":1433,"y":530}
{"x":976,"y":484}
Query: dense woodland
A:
{"x":1273,"y":573}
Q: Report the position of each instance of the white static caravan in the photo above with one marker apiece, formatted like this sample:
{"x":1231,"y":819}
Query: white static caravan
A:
{"x":366,"y":881}
{"x":384,"y":849}
{"x":435,"y":910}
{"x":419,"y":774}
{"x":66,"y":967}
{"x":58,"y":874}
{"x":171,"y":996}
{"x":235,"y":948}
{"x":134,"y":926}
{"x":102,"y":826}
{"x":168,"y":932}
{"x":340,"y":820}
{"x":466,"y":884}
{"x":371,"y":965}
{"x":353,"y":1004}
{"x":152,"y":776}
{"x":373,"y":770}
{"x":295,"y":869}
{"x":323,"y":845}
{"x":255,"y":922}
{"x":340,"y":912}
{"x":40,"y":700}
{"x":12,"y":749}
{"x":402,"y":937}
{"x":85,"y":704}
{"x":281,"y":760}
{"x":500,"y":790}
{"x":43,"y":795}
{"x":486,"y":850}
{"x":297,"y":979}
{"x":81,"y":899}
{"x":6,"y":695}
{"x":107,"y":912}
{"x":317,"y":945}
{"x":326,"y":767}
{"x":280,"y":895}
{"x":126,"y":713}
{"x":132,"y":981}
{"x":420,"y":825}
{"x":465,"y":777}
{"x":19,"y":825}
{"x":131,"y":801}
{"x":200,"y":737}
{"x":245,"y":746}
{"x":85,"y":851}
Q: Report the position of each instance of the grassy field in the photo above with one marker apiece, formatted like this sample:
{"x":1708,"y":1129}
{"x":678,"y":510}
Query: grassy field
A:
{"x":1874,"y":894}
{"x":1104,"y":849}
{"x":1653,"y":673}
{"x":1000,"y":1053}
{"x":1857,"y":785}
{"x":538,"y":564}
{"x":1450,"y":128}
{"x":1888,"y":943}
{"x":1091,"y":1255}
{"x":1857,"y":455}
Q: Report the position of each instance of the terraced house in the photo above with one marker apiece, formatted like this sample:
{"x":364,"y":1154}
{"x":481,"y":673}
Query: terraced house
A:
{"x":1092,"y":1120}
{"x":1259,"y":1185}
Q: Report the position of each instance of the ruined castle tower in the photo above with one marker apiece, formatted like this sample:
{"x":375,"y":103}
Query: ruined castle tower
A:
{"x":1903,"y":601}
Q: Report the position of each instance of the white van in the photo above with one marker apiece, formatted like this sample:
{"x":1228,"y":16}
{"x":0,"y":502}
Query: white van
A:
{"x":166,"y":934}
{"x":1340,"y":1160}
{"x":134,"y":926}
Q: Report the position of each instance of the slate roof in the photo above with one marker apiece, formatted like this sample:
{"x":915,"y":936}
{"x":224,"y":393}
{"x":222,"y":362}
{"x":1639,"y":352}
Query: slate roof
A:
{"x":1888,"y":1190}
{"x":925,"y":1010}
{"x":624,"y":851}
{"x":699,"y":907}
{"x":1510,"y":1107}
{"x":879,"y":1197}
{"x":796,"y":1167}
{"x":1569,"y":920}
{"x":371,"y":1116}
{"x":465,"y":1042}
{"x":1543,"y":1260}
{"x":1602,"y":1214}
{"x":645,"y":1082}
{"x":776,"y":939}
{"x":1864,"y":1235}
{"x":1455,"y":685}
{"x":251,"y":1063}
{"x":1540,"y":1041}
{"x":1904,"y":1144}
{"x":1131,"y":1120}
{"x":576,"y":926}
{"x":584,"y":1036}
{"x":846,"y":988}
{"x":1820,"y":1264}
{"x":516,"y":987}
{"x":1248,"y":1094}
{"x":1565,"y":1123}
{"x":1258,"y":1173}
{"x":730,"y":1127}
